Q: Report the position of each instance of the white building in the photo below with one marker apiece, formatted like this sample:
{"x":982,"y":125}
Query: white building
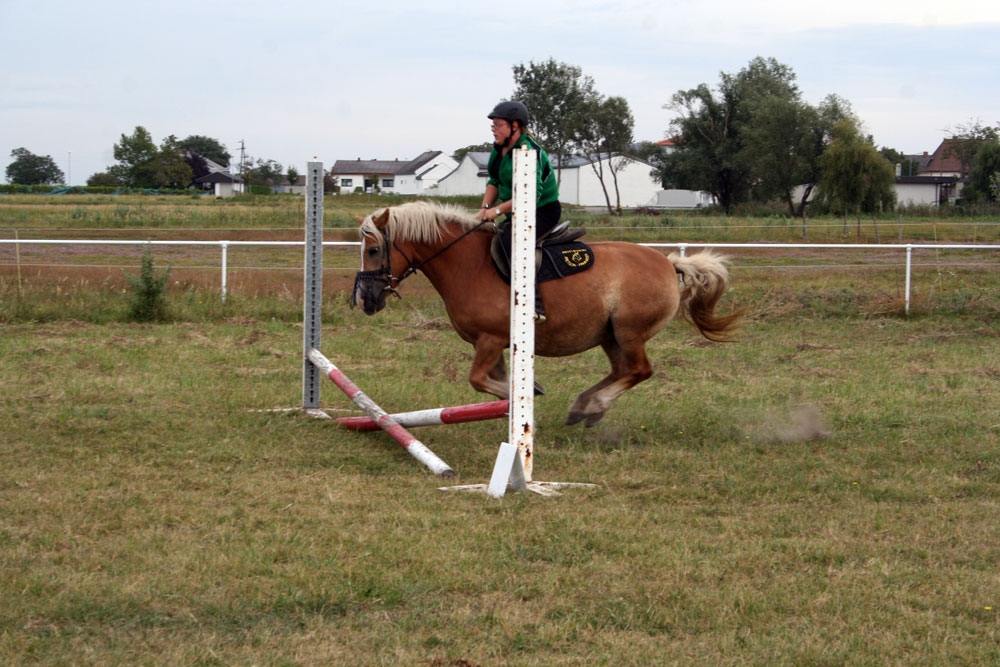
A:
{"x":222,"y":183}
{"x":407,"y":177}
{"x":582,"y":177}
{"x":925,"y":190}
{"x":468,"y":178}
{"x":681,"y":199}
{"x":579,"y":184}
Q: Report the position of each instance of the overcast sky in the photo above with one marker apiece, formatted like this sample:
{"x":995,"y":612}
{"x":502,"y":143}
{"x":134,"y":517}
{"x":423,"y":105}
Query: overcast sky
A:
{"x":297,"y":80}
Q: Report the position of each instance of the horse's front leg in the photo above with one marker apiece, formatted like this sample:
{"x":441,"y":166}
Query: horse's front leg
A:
{"x":489,"y":373}
{"x":499,"y":374}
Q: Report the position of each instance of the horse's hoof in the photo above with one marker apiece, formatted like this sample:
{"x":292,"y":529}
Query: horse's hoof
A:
{"x":539,"y":389}
{"x":575,"y":418}
{"x":594,"y":418}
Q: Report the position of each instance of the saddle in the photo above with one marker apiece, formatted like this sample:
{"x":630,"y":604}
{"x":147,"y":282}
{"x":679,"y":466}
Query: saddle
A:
{"x":557,"y":254}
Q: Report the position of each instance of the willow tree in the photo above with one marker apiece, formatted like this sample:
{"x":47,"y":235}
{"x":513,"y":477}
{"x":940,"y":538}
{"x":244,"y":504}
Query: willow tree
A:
{"x":855,"y":178}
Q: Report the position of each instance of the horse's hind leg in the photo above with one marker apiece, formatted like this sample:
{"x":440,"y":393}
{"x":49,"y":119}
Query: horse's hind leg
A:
{"x":628,"y":368}
{"x":581,"y":408}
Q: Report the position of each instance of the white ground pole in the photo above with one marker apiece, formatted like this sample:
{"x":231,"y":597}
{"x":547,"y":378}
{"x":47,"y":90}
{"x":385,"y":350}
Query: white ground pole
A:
{"x":416,"y":449}
{"x":514,"y":465}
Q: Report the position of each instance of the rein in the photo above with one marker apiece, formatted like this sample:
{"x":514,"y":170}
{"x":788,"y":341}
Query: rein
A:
{"x":366,"y":280}
{"x":416,"y":267}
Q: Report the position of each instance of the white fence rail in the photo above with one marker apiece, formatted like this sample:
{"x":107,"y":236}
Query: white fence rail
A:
{"x":909,"y":248}
{"x":224,"y":246}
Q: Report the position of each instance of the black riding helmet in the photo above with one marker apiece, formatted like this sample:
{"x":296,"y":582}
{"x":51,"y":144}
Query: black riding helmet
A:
{"x":510,"y":111}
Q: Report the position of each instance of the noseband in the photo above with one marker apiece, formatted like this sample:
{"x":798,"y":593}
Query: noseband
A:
{"x":382,"y":280}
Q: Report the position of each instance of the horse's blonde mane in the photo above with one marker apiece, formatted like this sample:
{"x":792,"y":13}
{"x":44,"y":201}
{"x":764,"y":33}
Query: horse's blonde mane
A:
{"x":418,"y":221}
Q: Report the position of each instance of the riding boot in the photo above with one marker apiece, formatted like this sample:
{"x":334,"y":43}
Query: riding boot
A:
{"x":539,"y":308}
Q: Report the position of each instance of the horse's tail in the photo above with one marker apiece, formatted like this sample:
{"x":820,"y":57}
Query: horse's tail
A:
{"x":705,"y":279}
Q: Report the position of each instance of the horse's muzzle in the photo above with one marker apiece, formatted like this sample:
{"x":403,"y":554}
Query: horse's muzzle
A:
{"x":370,"y":290}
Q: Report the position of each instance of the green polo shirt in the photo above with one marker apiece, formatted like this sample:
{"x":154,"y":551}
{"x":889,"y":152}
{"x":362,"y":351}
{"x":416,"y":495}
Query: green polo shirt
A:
{"x":501,"y":173}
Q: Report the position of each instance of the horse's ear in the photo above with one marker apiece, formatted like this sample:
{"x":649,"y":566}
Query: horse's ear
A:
{"x":383,"y":219}
{"x":359,"y":219}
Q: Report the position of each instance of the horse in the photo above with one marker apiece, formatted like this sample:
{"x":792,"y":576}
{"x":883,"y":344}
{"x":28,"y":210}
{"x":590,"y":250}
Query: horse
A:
{"x":629,"y":294}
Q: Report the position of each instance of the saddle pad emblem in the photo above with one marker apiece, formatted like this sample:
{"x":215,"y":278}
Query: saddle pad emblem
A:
{"x":576,"y":258}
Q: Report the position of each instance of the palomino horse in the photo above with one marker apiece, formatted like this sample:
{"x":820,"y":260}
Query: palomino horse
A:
{"x":629,"y":294}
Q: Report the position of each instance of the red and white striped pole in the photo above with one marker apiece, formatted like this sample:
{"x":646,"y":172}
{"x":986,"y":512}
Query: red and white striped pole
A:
{"x":456,"y":414}
{"x":417,"y":449}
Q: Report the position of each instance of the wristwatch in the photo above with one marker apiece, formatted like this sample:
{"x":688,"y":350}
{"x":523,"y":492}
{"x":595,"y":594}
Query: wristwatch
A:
{"x":498,"y":211}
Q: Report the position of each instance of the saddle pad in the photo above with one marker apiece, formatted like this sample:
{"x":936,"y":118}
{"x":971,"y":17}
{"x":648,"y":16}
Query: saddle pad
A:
{"x":558,"y":260}
{"x":564,"y":259}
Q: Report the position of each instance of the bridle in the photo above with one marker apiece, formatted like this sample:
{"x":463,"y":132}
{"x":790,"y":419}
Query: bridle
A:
{"x":382,"y":280}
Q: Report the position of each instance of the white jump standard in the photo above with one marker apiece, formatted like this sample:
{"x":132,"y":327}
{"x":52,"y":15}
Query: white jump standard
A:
{"x":515,"y":460}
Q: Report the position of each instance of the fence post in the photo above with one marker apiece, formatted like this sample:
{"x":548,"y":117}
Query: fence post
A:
{"x":909,"y":264}
{"x":225,"y":260}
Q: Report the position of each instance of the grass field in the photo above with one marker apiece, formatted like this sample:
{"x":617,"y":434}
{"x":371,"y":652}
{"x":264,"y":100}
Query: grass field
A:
{"x":822,"y":491}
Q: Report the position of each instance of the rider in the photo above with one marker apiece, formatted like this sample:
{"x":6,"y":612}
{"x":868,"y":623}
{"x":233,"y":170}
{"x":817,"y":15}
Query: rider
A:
{"x":510,"y":131}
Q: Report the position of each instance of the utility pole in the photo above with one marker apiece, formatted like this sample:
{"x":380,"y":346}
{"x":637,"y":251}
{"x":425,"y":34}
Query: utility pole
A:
{"x":243,"y":166}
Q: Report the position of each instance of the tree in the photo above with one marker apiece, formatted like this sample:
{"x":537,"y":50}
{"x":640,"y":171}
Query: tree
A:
{"x":135,"y":154}
{"x":984,"y":174}
{"x":206,"y":147}
{"x":331,"y":185}
{"x":655,"y":155}
{"x":668,"y":168}
{"x":907,"y":167}
{"x":198,"y":164}
{"x":30,"y":169}
{"x":711,"y":129}
{"x":966,"y":140}
{"x":103,"y":179}
{"x":706,"y":153}
{"x":264,"y":173}
{"x":557,"y":96}
{"x":170,"y":170}
{"x":142,"y":165}
{"x":605,"y":136}
{"x":777,"y":146}
{"x":292,"y":176}
{"x":784,"y":142}
{"x":855,"y":178}
{"x":460,"y":154}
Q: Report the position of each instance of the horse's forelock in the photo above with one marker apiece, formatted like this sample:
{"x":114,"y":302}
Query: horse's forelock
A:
{"x":368,"y":227}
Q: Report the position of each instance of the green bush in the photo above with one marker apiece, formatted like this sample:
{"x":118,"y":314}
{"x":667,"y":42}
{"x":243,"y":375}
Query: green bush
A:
{"x":147,"y":292}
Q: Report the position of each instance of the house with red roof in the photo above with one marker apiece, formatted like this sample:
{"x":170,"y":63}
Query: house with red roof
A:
{"x":938,"y":181}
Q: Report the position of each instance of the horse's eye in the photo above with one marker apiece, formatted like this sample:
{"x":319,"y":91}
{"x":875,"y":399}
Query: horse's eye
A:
{"x":372,"y":251}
